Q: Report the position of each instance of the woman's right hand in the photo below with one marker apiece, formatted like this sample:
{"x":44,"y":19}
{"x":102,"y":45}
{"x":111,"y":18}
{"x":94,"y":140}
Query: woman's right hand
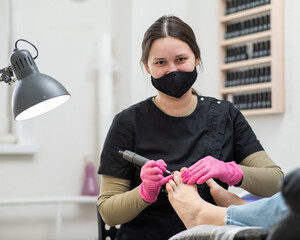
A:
{"x":152,"y":175}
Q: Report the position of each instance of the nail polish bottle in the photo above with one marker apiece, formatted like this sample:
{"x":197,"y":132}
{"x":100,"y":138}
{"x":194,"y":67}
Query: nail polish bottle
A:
{"x":227,"y":80}
{"x":227,"y":32}
{"x":232,"y":79}
{"x":242,"y":78}
{"x":255,"y":75}
{"x":239,"y":78}
{"x":238,"y":55}
{"x":227,"y":55}
{"x":233,"y":6}
{"x":241,"y":102}
{"x":264,"y":74}
{"x":251,"y":29}
{"x":245,"y":50}
{"x":254,"y":101}
{"x":268,"y":74}
{"x":268,"y":100}
{"x":268,"y":48}
{"x":250,"y":76}
{"x":254,"y":50}
{"x":243,"y":5}
{"x":239,"y":5}
{"x":268,"y":22}
{"x":263,"y":100}
{"x":239,"y":28}
{"x":260,"y":75}
{"x":227,"y":7}
{"x":246,"y":81}
{"x":254,"y":25}
{"x":249,"y":101}
{"x":264,"y":23}
{"x":247,"y":27}
{"x":258,"y":96}
{"x":235,"y":101}
{"x":259,"y":24}
{"x":257,"y":3}
{"x":263,"y":50}
{"x":231,"y":55}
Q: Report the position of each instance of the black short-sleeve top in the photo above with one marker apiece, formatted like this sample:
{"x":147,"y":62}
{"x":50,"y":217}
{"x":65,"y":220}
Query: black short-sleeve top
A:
{"x":215,"y":128}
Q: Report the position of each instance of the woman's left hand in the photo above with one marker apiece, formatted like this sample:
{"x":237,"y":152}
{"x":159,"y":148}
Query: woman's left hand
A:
{"x":210,"y":167}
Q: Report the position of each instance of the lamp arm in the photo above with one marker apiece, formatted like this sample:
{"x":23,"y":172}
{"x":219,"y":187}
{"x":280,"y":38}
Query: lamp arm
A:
{"x":6,"y":75}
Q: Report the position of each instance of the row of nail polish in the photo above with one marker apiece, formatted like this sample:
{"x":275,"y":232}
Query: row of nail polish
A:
{"x":253,"y":101}
{"x":235,"y":54}
{"x":249,"y":26}
{"x":261,"y":49}
{"x":249,"y":76}
{"x":233,"y":6}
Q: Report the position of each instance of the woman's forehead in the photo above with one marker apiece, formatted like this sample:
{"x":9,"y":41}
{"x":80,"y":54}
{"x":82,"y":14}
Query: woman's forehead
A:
{"x":169,"y":46}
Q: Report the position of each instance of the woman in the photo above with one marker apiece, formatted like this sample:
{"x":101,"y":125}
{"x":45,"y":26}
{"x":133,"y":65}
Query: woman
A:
{"x":179,"y":128}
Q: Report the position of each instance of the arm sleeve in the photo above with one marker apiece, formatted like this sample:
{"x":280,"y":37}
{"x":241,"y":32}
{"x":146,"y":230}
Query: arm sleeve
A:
{"x":118,"y":204}
{"x":261,"y":175}
{"x":245,"y":140}
{"x":119,"y":137}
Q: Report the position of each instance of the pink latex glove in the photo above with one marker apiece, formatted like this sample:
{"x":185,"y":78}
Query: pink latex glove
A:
{"x":210,"y":167}
{"x":153,"y":178}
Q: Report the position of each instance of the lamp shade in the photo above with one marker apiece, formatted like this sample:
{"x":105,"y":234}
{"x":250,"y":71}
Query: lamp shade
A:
{"x":35,"y":93}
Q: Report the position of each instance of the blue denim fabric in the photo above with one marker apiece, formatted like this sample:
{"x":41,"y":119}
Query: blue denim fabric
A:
{"x":265,"y":212}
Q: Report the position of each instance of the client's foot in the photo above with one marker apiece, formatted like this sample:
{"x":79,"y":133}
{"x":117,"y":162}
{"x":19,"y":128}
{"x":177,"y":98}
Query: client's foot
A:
{"x":223,"y":197}
{"x":190,"y":207}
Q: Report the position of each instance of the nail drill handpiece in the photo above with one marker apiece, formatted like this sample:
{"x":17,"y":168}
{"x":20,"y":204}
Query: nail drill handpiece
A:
{"x":136,"y":159}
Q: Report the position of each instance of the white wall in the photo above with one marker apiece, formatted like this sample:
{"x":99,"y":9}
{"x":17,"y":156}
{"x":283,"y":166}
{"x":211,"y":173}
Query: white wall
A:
{"x":66,"y":32}
{"x":280,"y":134}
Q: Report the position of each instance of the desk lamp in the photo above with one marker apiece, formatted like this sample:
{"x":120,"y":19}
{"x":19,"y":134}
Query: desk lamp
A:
{"x":35,"y":93}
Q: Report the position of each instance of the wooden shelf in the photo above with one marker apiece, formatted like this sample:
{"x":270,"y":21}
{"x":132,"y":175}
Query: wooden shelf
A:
{"x":275,"y":61}
{"x":255,"y":112}
{"x":246,"y":38}
{"x":246,"y":88}
{"x":246,"y":63}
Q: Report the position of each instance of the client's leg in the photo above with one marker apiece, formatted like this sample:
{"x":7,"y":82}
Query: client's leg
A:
{"x":190,"y":207}
{"x":223,"y":197}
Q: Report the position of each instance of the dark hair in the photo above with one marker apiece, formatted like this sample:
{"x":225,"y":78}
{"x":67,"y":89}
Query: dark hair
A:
{"x":169,"y":26}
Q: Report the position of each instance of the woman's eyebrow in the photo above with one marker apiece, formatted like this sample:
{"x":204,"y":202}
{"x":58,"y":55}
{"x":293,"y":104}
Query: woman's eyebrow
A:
{"x":158,"y":59}
{"x":181,"y":55}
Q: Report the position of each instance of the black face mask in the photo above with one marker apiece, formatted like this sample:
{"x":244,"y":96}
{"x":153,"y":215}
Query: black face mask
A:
{"x":175,"y":84}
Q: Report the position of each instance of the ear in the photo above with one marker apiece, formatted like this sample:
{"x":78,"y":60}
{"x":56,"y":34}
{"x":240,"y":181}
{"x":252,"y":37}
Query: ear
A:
{"x":146,"y":67}
{"x":197,"y":61}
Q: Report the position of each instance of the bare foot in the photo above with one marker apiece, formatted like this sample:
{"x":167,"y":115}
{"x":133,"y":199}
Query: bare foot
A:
{"x":190,"y":207}
{"x":222,"y":197}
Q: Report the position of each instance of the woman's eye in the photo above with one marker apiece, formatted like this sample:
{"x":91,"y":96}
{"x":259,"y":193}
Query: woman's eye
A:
{"x":181,"y":59}
{"x":160,"y":62}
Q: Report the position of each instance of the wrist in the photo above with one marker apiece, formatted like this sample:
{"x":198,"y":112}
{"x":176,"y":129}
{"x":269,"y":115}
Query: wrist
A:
{"x":145,"y":196}
{"x":236,"y":174}
{"x":239,"y":183}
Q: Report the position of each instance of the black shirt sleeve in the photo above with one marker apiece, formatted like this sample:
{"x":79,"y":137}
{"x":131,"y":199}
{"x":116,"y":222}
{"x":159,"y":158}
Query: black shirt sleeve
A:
{"x":119,"y":137}
{"x":245,"y":140}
